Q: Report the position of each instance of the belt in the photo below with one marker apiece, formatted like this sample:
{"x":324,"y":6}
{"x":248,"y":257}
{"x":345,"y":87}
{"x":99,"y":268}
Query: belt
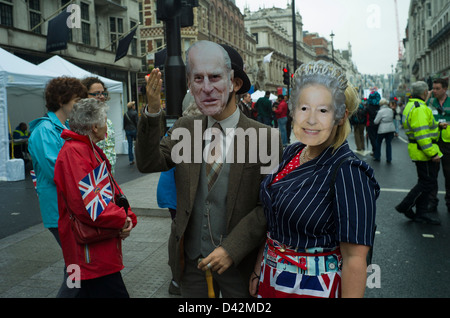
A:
{"x":311,"y":264}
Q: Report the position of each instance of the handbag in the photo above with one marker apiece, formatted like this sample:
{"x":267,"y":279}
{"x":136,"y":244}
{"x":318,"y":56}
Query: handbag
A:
{"x":86,"y":234}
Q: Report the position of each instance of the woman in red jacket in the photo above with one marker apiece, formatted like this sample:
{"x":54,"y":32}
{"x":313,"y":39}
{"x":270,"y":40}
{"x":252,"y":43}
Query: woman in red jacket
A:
{"x":88,"y":193}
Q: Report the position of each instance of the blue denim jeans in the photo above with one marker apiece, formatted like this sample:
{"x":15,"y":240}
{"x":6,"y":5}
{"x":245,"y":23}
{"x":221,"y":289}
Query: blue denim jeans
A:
{"x":282,"y":126}
{"x":131,"y":136}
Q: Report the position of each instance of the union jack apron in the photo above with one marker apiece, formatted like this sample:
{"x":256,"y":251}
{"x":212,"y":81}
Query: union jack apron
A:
{"x":290,"y":273}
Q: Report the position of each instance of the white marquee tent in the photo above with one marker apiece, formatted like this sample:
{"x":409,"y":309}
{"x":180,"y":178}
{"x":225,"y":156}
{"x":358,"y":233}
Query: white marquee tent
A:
{"x":258,"y":94}
{"x":64,"y":68}
{"x":22,"y":87}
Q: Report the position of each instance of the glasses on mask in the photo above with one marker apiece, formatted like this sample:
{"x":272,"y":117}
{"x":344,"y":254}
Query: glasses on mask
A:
{"x":105,"y":94}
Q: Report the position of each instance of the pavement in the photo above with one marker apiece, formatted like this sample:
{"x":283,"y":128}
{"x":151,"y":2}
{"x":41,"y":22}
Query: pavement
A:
{"x":31,"y":262}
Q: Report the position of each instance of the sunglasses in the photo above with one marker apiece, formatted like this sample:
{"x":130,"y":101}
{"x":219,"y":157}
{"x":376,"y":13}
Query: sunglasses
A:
{"x":105,"y":94}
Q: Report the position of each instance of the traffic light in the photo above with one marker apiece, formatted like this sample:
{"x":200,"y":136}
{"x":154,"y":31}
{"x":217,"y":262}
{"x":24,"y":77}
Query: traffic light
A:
{"x":169,"y":9}
{"x":187,"y":13}
{"x":286,"y":76}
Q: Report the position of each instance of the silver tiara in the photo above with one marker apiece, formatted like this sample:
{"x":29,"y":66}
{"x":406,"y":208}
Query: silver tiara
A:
{"x":322,"y":68}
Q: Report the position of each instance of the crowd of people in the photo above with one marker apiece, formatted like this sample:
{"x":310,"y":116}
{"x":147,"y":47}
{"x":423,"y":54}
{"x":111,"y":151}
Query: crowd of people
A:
{"x":303,"y":230}
{"x":424,"y":118}
{"x":274,"y":113}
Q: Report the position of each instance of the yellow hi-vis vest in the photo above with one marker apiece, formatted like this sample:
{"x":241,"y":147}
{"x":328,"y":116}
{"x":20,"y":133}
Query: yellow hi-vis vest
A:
{"x":422,"y":131}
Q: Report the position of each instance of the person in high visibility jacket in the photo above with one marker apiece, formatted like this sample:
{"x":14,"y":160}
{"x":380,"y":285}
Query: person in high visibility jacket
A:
{"x":439,"y":102}
{"x":423,"y":133}
{"x":20,"y":136}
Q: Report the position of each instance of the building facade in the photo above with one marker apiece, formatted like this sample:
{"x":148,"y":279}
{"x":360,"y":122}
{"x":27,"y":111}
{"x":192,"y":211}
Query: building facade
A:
{"x":427,"y":42}
{"x":214,"y":20}
{"x":254,"y":35}
{"x":272,"y":30}
{"x":92,"y":46}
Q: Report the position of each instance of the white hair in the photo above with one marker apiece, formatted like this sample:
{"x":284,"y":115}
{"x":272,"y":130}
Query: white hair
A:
{"x":87,"y":113}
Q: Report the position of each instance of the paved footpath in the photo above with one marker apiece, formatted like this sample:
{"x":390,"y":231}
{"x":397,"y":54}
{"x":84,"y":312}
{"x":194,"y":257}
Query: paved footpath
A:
{"x":31,"y":262}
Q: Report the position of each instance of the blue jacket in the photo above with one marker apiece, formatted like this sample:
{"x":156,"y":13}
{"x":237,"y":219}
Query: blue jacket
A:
{"x":44,"y":145}
{"x":166,"y":193}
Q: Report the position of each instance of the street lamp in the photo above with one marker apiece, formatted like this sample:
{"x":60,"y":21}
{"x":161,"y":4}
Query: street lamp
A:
{"x":332,"y":46}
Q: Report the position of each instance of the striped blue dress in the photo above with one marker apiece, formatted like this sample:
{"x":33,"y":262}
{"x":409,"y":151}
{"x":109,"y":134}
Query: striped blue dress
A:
{"x":302,"y":215}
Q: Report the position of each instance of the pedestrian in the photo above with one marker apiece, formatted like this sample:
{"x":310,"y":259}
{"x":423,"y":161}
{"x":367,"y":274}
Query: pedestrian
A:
{"x":372,"y":110}
{"x":20,"y":142}
{"x":393,"y":104}
{"x":289,"y":120}
{"x":359,"y":120}
{"x":423,"y":133}
{"x":87,"y":192}
{"x":317,"y":242}
{"x":245,"y":104}
{"x":218,"y":224}
{"x":386,"y":129}
{"x":264,"y":108}
{"x":44,"y":145}
{"x":130,"y":120}
{"x":97,"y":89}
{"x":401,"y":107}
{"x":281,"y":116}
{"x":440,"y":105}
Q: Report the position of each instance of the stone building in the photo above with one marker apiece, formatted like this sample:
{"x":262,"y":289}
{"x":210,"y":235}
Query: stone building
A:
{"x":272,"y":29}
{"x":427,"y":42}
{"x":214,"y":20}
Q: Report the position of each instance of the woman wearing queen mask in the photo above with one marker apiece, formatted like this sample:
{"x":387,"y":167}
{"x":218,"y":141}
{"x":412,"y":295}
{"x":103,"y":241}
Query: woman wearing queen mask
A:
{"x":319,"y":227}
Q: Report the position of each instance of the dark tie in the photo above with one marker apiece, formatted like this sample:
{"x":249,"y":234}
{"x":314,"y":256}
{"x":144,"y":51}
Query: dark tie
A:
{"x":213,"y":167}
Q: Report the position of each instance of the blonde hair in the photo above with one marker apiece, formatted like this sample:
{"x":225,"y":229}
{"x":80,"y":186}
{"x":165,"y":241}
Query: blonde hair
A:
{"x":351,"y":105}
{"x":384,"y":101}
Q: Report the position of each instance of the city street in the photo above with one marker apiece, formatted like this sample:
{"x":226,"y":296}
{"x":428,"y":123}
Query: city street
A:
{"x":410,"y":259}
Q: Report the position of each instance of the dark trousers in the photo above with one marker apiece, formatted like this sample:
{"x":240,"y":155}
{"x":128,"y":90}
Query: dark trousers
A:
{"x":131,"y":137}
{"x":109,"y":286}
{"x":64,"y":291}
{"x":418,"y":196}
{"x":372,"y":131}
{"x":388,"y":137}
{"x":445,"y":160}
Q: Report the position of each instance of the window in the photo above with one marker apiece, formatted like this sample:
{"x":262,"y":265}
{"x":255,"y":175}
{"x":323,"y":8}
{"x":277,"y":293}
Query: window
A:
{"x":255,"y":35}
{"x":141,"y":13}
{"x":6,"y":13}
{"x":133,"y":43}
{"x":115,"y":31}
{"x":34,"y":8}
{"x":85,"y":24}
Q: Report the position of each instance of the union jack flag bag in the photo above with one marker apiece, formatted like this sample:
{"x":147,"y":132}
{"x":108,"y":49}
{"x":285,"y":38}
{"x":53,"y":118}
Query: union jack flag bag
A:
{"x":96,"y":190}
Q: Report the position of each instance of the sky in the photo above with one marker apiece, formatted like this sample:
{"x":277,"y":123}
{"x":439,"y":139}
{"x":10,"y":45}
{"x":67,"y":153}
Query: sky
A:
{"x":369,"y":25}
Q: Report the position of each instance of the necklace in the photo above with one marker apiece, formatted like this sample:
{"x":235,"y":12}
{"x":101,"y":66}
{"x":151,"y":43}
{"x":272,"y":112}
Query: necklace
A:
{"x":304,"y":158}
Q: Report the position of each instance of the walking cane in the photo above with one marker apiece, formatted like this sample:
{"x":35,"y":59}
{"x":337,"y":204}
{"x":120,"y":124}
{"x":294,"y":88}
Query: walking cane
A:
{"x":209,"y":281}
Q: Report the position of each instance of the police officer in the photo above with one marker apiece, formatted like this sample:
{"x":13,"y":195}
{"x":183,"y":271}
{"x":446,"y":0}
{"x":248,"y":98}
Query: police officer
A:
{"x":440,"y":105}
{"x":422,"y":132}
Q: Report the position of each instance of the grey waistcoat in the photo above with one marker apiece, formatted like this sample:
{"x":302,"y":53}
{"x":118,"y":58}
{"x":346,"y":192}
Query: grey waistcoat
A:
{"x":198,"y":233}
